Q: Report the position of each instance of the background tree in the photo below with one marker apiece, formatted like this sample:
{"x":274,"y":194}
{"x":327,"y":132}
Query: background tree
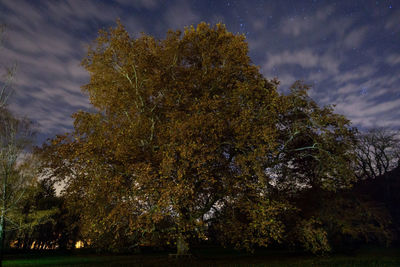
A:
{"x":17,"y":169}
{"x":314,"y":162}
{"x":42,"y":219}
{"x":316,"y":145}
{"x":378,"y":152}
{"x":349,"y":217}
{"x":378,"y":169}
{"x":12,"y":140}
{"x":315,"y":171}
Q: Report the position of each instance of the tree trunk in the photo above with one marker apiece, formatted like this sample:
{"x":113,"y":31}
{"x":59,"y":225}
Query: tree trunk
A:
{"x":2,"y":237}
{"x":182,"y":245}
{"x":2,"y":219}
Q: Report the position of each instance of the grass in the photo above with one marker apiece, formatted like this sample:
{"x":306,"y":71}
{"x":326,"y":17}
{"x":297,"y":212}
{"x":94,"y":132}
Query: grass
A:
{"x":213,"y":257}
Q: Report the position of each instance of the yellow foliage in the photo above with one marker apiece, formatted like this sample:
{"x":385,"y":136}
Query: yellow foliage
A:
{"x":182,"y":126}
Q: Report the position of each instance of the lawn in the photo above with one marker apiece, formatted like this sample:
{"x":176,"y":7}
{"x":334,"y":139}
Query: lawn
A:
{"x":214,"y":257}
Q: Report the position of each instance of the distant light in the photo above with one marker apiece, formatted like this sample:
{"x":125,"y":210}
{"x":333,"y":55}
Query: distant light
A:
{"x":79,"y":244}
{"x":390,"y":6}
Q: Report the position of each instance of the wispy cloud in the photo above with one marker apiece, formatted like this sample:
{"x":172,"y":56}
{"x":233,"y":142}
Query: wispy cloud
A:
{"x":355,"y":37}
{"x":48,"y":78}
{"x":351,"y":58}
{"x":180,"y":14}
{"x":393,"y":59}
{"x":304,"y":24}
{"x":393,"y":21}
{"x":146,"y":4}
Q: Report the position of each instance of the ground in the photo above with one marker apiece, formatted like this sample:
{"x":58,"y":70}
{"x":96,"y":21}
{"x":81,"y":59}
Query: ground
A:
{"x":212,"y":257}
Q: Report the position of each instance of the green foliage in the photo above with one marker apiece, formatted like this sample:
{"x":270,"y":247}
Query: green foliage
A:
{"x":313,"y":236}
{"x":350,"y":218}
{"x":317,"y":145}
{"x":341,"y":220}
{"x":17,"y":168}
{"x":34,"y":218}
{"x":248,"y":225}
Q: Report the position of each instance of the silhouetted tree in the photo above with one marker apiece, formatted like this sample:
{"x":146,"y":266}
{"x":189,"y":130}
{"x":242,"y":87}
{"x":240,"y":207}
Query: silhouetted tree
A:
{"x":378,"y":152}
{"x":378,"y":169}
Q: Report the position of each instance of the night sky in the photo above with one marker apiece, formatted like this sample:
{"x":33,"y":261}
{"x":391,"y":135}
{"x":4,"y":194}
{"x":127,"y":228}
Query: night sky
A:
{"x":348,"y":50}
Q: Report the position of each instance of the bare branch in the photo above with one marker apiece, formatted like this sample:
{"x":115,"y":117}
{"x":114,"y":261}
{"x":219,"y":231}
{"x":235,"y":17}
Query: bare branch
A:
{"x":377,"y":152}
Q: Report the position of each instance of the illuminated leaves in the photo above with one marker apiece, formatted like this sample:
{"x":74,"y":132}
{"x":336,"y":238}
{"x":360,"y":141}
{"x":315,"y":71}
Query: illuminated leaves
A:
{"x":181,"y":135}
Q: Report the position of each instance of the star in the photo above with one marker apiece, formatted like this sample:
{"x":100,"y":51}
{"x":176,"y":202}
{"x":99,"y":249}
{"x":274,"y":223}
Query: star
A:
{"x":363,"y":91}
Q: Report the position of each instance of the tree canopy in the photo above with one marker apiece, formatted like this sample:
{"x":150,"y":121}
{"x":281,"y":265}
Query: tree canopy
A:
{"x":187,"y":135}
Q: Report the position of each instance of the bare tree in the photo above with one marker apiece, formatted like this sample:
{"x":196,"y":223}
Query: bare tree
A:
{"x":378,"y":152}
{"x":15,"y":138}
{"x":6,"y":81}
{"x":378,"y":169}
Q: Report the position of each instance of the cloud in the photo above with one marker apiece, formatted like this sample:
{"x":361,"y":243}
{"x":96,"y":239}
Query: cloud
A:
{"x":48,"y":77}
{"x":393,"y":59}
{"x":47,"y":39}
{"x":359,"y":83}
{"x":369,"y":113}
{"x":297,"y":26}
{"x":258,"y":24}
{"x":180,"y":14}
{"x":354,"y":75}
{"x":305,"y":58}
{"x":82,"y":11}
{"x":393,"y":22}
{"x":286,"y":80}
{"x":373,"y":102}
{"x":355,"y":37}
{"x":304,"y":24}
{"x":146,"y":4}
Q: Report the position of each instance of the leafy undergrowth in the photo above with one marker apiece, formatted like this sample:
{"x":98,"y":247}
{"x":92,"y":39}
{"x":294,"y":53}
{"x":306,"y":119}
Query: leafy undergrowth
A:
{"x":214,"y":257}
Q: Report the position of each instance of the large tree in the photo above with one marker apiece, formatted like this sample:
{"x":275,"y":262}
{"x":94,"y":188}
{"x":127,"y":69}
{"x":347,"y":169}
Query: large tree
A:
{"x":185,"y":132}
{"x":182,"y":126}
